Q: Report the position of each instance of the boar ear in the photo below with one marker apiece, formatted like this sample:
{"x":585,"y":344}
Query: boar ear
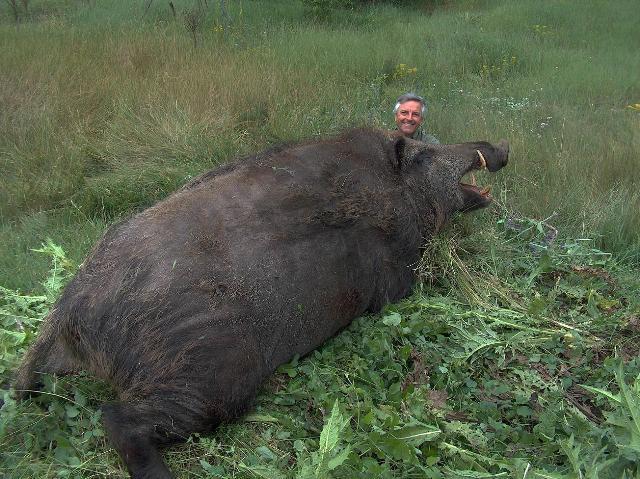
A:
{"x":408,"y":153}
{"x":399,"y":150}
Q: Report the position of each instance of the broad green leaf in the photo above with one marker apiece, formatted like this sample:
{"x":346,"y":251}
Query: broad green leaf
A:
{"x":257,"y":417}
{"x":339,"y":458}
{"x":613,"y":397}
{"x":12,"y":338}
{"x":216,"y":471}
{"x":263,"y":472}
{"x":267,"y":453}
{"x":417,"y":434}
{"x":330,"y":434}
{"x":630,"y":399}
{"x":71,"y":410}
{"x":392,"y":319}
{"x":395,"y":448}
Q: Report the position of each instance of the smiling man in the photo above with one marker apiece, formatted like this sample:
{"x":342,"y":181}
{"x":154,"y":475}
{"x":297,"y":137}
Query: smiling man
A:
{"x":409,"y":112}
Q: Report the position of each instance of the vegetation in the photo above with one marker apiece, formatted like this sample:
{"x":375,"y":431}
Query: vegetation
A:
{"x":517,"y":354}
{"x":507,"y":362}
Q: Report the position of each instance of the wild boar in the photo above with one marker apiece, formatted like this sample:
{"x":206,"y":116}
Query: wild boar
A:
{"x":186,"y":307}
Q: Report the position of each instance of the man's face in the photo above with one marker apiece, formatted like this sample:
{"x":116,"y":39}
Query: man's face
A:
{"x":409,"y":117}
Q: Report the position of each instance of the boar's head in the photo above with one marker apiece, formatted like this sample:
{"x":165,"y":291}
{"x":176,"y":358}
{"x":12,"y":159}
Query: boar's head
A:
{"x":433,"y":174}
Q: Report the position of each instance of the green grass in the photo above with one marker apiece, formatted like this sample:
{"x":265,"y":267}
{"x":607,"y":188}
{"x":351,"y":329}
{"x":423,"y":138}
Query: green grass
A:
{"x":105,"y":111}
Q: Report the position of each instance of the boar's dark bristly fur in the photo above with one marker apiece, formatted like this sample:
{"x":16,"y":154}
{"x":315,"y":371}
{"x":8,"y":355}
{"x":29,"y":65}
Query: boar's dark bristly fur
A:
{"x":188,"y":306}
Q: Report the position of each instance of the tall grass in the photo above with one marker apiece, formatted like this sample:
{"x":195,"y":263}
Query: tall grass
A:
{"x":107,"y":110}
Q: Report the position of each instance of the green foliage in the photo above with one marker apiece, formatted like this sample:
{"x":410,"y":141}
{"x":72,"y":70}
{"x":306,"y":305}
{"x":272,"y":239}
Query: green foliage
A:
{"x":517,"y":354}
{"x":20,"y":269}
{"x":61,"y":270}
{"x":333,"y":9}
{"x":20,"y":315}
{"x":329,"y":455}
{"x":623,"y":421}
{"x":324,"y":9}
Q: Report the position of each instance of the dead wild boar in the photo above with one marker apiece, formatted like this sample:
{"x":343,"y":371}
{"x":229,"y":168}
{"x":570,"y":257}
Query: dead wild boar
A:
{"x":188,"y":306}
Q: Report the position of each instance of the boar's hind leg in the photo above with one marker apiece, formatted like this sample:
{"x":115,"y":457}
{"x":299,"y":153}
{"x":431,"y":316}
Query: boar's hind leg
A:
{"x":219,"y":376}
{"x":137,"y":430}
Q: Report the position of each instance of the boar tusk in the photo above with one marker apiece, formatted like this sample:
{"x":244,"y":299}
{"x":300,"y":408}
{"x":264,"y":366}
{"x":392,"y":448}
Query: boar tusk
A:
{"x":483,"y":162}
{"x":473,"y":179}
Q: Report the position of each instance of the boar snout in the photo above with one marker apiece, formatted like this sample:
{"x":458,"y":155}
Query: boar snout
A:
{"x":492,"y":157}
{"x":502,"y":155}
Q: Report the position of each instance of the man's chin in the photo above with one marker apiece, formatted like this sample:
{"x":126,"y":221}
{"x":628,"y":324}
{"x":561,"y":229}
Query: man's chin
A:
{"x":408,"y":131}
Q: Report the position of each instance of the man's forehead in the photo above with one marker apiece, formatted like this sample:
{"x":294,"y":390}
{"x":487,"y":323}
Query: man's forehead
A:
{"x":411,"y":105}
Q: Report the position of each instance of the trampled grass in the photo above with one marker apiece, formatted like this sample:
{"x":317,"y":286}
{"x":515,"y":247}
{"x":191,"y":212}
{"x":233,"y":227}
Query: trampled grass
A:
{"x":104,"y":110}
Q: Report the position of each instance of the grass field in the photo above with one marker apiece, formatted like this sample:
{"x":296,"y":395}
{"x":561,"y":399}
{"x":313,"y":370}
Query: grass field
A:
{"x":106,"y":108}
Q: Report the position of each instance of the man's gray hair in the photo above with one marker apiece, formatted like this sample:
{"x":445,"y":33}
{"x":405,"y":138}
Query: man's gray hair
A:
{"x":409,"y":97}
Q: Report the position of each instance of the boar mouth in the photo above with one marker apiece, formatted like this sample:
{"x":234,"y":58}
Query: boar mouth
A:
{"x":474,"y":196}
{"x":476,"y":190}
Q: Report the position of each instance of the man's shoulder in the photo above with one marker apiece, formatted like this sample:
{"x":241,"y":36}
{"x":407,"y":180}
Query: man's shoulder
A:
{"x":425,"y":137}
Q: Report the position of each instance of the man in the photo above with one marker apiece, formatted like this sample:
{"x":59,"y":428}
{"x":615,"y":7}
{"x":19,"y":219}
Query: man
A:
{"x":409,"y":112}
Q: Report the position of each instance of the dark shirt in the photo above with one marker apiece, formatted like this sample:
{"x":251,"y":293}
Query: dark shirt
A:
{"x":421,"y":135}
